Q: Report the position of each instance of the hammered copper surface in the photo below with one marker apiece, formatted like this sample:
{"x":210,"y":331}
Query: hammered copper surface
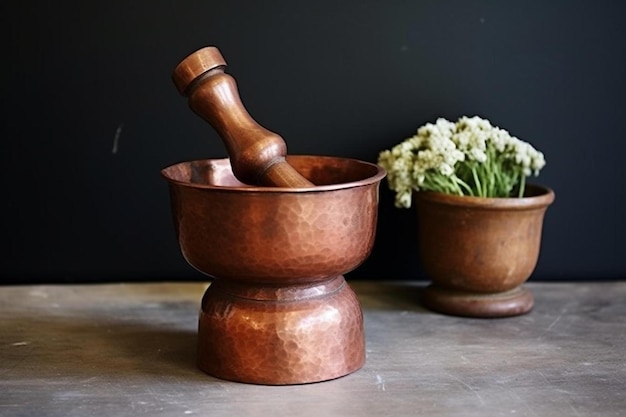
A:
{"x":271,"y":234}
{"x":257,"y":154}
{"x":281,"y":337}
{"x":279,"y":310}
{"x":479,"y":251}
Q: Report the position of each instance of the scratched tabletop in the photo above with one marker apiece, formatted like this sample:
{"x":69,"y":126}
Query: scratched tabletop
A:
{"x":129,"y":350}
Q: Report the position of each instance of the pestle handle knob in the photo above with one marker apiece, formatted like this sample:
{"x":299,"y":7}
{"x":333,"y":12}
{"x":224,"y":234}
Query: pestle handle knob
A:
{"x":257,"y":155}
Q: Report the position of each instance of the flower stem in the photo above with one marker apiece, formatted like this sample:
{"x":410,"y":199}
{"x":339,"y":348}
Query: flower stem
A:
{"x":522,"y":185}
{"x":479,"y":189}
{"x":462,"y":185}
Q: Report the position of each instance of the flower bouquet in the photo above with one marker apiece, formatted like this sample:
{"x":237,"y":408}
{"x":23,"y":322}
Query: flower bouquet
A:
{"x":470,"y":157}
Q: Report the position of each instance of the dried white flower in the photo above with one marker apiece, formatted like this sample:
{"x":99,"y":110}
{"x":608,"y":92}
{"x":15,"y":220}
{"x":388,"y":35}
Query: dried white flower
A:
{"x":469,"y":157}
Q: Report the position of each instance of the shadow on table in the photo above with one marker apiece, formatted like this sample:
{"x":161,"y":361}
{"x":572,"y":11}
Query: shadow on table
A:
{"x":91,"y":347}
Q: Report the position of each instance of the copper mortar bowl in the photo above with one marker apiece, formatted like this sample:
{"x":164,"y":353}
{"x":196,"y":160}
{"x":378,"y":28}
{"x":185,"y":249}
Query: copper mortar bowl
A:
{"x":278,"y":310}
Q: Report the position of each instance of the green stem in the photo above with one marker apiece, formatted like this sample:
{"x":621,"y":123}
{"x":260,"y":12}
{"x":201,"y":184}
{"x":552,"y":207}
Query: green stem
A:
{"x":463,"y":185}
{"x":479,"y":189}
{"x":522,"y":185}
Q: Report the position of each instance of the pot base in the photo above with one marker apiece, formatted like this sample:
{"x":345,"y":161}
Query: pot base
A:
{"x":279,"y":335}
{"x":515,"y":302}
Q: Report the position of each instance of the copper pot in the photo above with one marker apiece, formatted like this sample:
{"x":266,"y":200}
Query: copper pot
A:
{"x":279,"y":310}
{"x":479,"y":251}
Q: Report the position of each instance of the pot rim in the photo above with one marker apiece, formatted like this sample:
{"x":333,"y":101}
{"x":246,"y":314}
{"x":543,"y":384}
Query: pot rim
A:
{"x":538,"y":196}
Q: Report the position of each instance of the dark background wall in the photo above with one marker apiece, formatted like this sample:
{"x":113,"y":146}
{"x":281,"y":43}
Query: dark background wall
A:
{"x":346,"y":78}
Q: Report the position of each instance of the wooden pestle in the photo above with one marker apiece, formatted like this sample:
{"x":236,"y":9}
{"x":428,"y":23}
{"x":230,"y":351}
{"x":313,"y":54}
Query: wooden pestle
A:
{"x":257,"y":156}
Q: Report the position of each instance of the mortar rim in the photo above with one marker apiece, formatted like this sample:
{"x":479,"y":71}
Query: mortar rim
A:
{"x":373,"y":179}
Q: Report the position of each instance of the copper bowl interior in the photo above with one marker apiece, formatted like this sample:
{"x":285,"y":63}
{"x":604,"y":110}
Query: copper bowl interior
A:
{"x":227,"y":229}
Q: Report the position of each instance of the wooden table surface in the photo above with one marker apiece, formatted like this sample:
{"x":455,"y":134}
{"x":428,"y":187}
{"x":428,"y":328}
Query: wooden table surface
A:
{"x":129,"y":349}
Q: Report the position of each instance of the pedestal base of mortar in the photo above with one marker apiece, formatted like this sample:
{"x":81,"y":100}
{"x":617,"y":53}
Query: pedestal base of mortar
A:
{"x":278,"y":335}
